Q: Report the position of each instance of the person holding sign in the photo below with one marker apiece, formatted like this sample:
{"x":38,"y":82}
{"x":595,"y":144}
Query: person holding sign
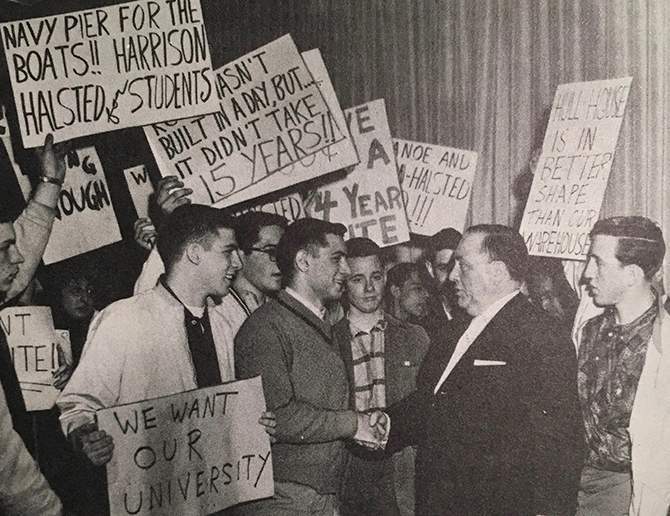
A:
{"x":163,"y":341}
{"x":23,"y":489}
{"x":290,"y":345}
{"x":624,"y":373}
{"x":496,"y":413}
{"x":382,"y":355}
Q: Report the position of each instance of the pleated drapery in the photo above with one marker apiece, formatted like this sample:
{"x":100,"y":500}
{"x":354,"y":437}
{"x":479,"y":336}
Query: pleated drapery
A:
{"x":481,"y":75}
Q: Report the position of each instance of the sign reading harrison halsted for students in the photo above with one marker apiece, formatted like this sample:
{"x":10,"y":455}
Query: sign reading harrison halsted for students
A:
{"x":107,"y":68}
{"x":572,"y":172}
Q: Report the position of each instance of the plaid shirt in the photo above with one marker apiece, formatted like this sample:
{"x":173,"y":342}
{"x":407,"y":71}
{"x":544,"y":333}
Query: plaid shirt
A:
{"x":367,"y":353}
{"x":611,"y":358}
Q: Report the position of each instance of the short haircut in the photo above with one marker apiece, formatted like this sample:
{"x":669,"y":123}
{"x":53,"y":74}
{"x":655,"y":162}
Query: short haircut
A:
{"x":187,"y":224}
{"x":447,"y":238}
{"x":360,"y":247}
{"x":400,"y":273}
{"x":303,"y":234}
{"x":249,"y":225}
{"x":639,"y":241}
{"x":504,"y":244}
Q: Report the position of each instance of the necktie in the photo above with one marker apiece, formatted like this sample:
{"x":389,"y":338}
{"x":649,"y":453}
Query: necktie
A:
{"x":203,"y":352}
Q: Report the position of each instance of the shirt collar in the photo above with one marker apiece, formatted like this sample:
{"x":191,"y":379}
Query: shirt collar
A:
{"x":320,"y":312}
{"x":365,"y":324}
{"x":491,"y":311}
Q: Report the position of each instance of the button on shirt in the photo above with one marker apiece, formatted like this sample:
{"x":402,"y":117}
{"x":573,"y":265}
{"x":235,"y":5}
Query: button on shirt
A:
{"x":477,"y":325}
{"x":611,"y":358}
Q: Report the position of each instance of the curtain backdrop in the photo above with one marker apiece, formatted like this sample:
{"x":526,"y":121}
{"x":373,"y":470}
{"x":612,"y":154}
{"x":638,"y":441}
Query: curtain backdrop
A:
{"x":481,"y":74}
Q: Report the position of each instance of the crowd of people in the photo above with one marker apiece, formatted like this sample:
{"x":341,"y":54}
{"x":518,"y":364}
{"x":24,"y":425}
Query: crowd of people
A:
{"x":453,"y":375}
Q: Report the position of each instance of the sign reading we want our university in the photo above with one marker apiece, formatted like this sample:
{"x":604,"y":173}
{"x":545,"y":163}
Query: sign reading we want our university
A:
{"x":108,"y":68}
{"x":275,"y":128}
{"x":572,"y":172}
{"x":192,"y":453}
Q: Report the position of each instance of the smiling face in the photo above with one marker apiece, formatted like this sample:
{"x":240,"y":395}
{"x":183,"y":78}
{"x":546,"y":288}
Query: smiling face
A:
{"x":365,"y":285}
{"x":260,"y":265}
{"x":10,"y":258}
{"x":606,"y":277}
{"x":413,"y":297}
{"x":328,"y":269}
{"x":219,"y":262}
{"x":473,"y":275}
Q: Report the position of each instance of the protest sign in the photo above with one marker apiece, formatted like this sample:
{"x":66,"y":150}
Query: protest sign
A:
{"x":191,"y":453}
{"x":140,"y":188}
{"x":85,"y":218}
{"x":34,"y":344}
{"x":289,"y":206}
{"x":436,"y":183}
{"x":273,"y":130}
{"x":571,"y":176}
{"x":108,"y":68}
{"x":5,"y":137}
{"x":369,"y":199}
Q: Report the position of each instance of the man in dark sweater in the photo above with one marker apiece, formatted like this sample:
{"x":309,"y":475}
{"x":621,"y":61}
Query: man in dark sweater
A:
{"x":288,"y":343}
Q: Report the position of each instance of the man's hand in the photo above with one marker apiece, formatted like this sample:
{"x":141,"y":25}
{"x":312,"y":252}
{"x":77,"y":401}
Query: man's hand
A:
{"x":170,"y":193}
{"x":63,"y":373}
{"x":144,"y":233}
{"x":372,"y":431}
{"x":96,"y":444}
{"x":52,"y":158}
{"x":269,"y":421}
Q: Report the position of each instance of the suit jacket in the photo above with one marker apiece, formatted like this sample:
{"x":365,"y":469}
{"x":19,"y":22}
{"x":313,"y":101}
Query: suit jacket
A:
{"x":376,"y":484}
{"x":505,"y":439}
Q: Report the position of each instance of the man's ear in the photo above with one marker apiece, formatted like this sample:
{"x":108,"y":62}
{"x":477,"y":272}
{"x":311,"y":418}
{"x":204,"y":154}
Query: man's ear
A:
{"x":302,"y":260}
{"x":635,"y":274}
{"x":193,"y":253}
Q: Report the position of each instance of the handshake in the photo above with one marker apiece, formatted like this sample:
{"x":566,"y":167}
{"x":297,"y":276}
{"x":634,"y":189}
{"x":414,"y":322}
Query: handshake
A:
{"x":373,"y":429}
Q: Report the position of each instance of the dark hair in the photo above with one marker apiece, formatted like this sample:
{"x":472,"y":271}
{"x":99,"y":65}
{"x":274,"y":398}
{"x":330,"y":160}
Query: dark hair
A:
{"x":447,"y":238}
{"x":360,"y":247}
{"x":400,"y":273}
{"x":187,"y":224}
{"x":301,"y":235}
{"x":504,"y":244}
{"x":639,"y":241}
{"x":249,"y":225}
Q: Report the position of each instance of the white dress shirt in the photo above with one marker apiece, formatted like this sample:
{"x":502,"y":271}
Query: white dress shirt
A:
{"x":476,"y":326}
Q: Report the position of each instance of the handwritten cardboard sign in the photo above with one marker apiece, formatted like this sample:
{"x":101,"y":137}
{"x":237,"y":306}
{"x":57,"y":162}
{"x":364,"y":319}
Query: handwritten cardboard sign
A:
{"x":85,"y":218}
{"x":102,"y":69}
{"x":272,"y":116}
{"x":572,"y":172}
{"x":368,"y":200}
{"x":437,"y":184}
{"x":289,"y":206}
{"x":34,"y":344}
{"x":6,"y":139}
{"x":191,"y":453}
{"x":140,"y":188}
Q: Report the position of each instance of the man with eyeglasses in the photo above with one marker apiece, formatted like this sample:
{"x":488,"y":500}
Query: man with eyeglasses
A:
{"x":257,"y":234}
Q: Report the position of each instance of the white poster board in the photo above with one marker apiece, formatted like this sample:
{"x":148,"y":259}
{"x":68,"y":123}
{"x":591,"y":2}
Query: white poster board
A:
{"x":368,"y":200}
{"x":140,"y":188}
{"x":5,"y":137}
{"x":273,"y":130}
{"x":191,"y":453}
{"x":85,"y":218}
{"x":289,"y":206}
{"x":437,"y":184}
{"x":33,"y":343}
{"x":108,"y":68}
{"x":571,"y":176}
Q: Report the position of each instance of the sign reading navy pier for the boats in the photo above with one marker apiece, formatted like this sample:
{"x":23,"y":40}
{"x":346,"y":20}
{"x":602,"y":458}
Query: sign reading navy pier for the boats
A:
{"x":571,"y":176}
{"x":102,"y":69}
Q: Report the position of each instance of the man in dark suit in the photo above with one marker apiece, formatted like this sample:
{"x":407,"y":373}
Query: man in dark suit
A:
{"x":496,"y":413}
{"x":381,"y":355}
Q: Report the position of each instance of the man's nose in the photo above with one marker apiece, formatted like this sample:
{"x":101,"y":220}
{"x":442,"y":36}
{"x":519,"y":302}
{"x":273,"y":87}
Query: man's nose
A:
{"x":236,"y":261}
{"x":344,"y":267}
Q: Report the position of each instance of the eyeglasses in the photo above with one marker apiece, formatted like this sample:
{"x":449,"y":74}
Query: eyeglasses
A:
{"x":270,"y":251}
